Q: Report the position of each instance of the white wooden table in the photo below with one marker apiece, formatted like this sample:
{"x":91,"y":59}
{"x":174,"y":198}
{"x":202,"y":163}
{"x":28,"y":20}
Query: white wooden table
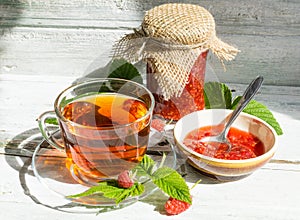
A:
{"x":46,"y":45}
{"x":270,"y":193}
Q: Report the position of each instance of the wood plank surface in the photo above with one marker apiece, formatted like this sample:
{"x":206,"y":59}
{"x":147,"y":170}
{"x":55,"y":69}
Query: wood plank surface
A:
{"x":233,"y":200}
{"x":55,"y":33}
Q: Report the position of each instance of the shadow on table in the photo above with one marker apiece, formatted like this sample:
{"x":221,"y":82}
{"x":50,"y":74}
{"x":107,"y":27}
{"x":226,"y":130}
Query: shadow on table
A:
{"x":19,"y":152}
{"x":18,"y":155}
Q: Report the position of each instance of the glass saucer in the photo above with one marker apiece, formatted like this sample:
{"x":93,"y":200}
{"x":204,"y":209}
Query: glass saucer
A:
{"x":49,"y":167}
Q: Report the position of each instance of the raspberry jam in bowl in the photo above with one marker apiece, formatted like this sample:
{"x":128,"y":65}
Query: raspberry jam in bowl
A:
{"x":254,"y":143}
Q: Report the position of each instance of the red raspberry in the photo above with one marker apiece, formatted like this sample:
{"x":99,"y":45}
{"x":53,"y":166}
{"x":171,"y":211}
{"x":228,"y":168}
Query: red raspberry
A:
{"x":124,"y":180}
{"x":175,"y":206}
{"x":158,"y":124}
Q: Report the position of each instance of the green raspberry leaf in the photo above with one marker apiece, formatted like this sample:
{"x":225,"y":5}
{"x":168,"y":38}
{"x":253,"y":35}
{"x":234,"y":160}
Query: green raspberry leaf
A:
{"x":217,"y":95}
{"x":135,"y":190}
{"x":120,"y":68}
{"x":165,"y":178}
{"x":110,"y":189}
{"x":116,"y":68}
{"x":259,"y":110}
{"x":103,"y":187}
{"x":172,"y":183}
{"x":146,"y":166}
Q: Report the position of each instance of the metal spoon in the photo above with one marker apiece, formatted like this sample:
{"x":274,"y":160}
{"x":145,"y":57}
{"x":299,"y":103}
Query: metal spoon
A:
{"x":249,"y":93}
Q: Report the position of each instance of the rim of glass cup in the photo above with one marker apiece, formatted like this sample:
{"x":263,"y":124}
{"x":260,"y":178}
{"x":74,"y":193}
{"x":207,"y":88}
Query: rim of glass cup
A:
{"x":59,"y":114}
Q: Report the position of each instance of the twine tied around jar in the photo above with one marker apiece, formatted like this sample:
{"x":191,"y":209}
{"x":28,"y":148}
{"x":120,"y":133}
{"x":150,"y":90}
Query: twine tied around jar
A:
{"x":170,"y":39}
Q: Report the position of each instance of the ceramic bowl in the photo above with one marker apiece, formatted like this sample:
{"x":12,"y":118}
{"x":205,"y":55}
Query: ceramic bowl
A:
{"x":222,"y":169}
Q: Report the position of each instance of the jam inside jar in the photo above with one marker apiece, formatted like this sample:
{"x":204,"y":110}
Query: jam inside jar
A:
{"x":191,"y":99}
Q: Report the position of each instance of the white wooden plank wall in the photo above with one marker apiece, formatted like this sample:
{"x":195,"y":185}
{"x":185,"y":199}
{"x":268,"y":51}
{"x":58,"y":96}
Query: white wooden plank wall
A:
{"x":63,"y":37}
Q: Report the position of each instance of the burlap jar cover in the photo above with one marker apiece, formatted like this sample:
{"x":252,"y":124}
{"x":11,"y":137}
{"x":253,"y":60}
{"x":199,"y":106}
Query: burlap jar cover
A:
{"x":170,"y":39}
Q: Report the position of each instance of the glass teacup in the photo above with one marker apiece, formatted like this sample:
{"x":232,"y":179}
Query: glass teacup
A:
{"x":104,"y":126}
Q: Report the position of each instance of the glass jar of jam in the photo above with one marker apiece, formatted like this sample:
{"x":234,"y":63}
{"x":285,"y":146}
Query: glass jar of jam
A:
{"x":174,"y":40}
{"x":191,"y":98}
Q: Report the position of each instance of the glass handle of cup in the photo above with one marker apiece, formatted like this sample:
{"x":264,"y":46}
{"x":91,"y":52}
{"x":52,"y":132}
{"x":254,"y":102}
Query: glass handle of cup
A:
{"x":44,"y":128}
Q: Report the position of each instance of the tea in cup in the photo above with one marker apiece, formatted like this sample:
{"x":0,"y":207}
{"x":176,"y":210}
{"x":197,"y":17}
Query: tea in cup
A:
{"x":104,"y":126}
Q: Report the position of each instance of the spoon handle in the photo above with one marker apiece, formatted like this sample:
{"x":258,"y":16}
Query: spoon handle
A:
{"x":251,"y":90}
